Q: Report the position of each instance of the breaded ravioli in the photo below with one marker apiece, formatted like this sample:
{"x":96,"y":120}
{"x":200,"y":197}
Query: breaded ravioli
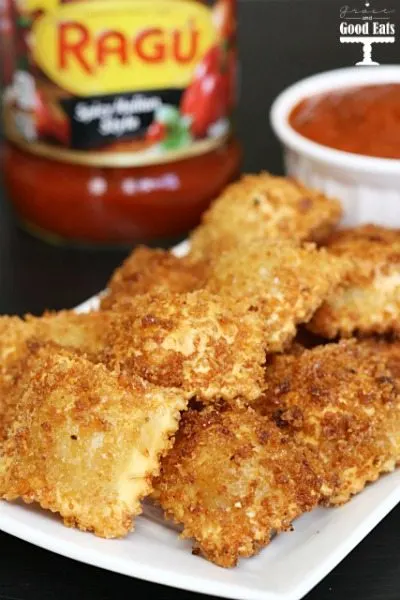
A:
{"x":84,"y":443}
{"x":147,"y":270}
{"x":194,"y":341}
{"x":82,"y":333}
{"x":281,"y":281}
{"x":264,"y":206}
{"x":342,"y":401}
{"x":197,"y":341}
{"x":232,"y":480}
{"x":369,"y":302}
{"x":14,"y":336}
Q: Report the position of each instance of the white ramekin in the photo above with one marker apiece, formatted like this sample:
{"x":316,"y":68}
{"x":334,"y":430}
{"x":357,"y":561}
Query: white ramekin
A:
{"x":369,"y":188}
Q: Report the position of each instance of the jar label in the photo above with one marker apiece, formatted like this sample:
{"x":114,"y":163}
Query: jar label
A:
{"x":121,"y":82}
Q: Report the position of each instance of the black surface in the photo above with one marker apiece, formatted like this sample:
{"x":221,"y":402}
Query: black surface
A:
{"x":281,"y":41}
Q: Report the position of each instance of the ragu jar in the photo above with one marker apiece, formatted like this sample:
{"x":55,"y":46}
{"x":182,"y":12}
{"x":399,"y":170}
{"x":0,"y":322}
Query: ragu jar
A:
{"x":118,"y":115}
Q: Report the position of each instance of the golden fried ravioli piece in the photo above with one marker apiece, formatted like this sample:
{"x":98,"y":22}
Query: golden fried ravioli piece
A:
{"x":198,"y":342}
{"x":85,"y":334}
{"x":147,"y":270}
{"x":283,"y":282}
{"x":369,"y":302}
{"x":342,"y":401}
{"x":195,"y":341}
{"x":83,"y":443}
{"x":81,"y":332}
{"x":264,"y":206}
{"x":233,"y":479}
{"x":14,"y":335}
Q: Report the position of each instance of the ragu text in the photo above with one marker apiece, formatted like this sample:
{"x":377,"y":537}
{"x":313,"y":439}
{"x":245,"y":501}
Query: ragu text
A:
{"x":152,"y":45}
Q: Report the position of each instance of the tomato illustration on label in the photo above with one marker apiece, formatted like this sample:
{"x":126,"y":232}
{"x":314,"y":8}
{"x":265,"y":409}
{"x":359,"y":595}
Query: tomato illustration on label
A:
{"x":212,"y":93}
{"x":204,"y":102}
{"x":210,"y":63}
{"x":224,"y":19}
{"x":156,"y":132}
{"x":50,"y":121}
{"x":210,"y":97}
{"x":169,"y":129}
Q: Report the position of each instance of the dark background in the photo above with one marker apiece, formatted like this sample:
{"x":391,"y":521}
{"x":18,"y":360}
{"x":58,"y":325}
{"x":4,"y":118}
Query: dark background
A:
{"x":280,"y":41}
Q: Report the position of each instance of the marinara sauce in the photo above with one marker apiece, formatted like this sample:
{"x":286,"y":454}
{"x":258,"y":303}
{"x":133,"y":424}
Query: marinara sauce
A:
{"x":363,"y":120}
{"x":118,"y":115}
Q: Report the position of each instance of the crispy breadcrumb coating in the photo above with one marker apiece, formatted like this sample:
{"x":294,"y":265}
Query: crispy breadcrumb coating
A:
{"x":264,"y":206}
{"x":84,"y":443}
{"x":14,"y":335}
{"x":343,"y":401}
{"x":82,"y":332}
{"x":283,"y":282}
{"x":85,"y":334}
{"x":233,"y":479}
{"x":148,"y":270}
{"x":369,"y":303}
{"x":193,"y":341}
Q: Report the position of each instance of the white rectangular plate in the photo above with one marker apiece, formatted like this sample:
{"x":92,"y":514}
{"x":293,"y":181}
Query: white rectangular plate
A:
{"x":286,"y":570}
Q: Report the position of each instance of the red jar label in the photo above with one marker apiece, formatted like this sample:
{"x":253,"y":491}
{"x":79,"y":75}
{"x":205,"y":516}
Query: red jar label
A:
{"x":121,"y":82}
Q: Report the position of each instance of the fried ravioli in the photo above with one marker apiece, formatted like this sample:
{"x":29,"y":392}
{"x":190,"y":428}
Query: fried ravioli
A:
{"x":281,"y":281}
{"x":369,"y":303}
{"x":233,"y":479}
{"x":343,"y":402}
{"x":193,"y":341}
{"x":14,"y":336}
{"x":148,"y":270}
{"x":264,"y":206}
{"x":82,"y":333}
{"x":84,"y":443}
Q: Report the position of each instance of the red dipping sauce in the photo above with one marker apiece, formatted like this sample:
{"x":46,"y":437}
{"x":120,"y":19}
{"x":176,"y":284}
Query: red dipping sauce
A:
{"x":362,"y":120}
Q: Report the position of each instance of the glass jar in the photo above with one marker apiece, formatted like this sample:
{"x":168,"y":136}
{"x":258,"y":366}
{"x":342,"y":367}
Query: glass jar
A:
{"x":119,"y":116}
